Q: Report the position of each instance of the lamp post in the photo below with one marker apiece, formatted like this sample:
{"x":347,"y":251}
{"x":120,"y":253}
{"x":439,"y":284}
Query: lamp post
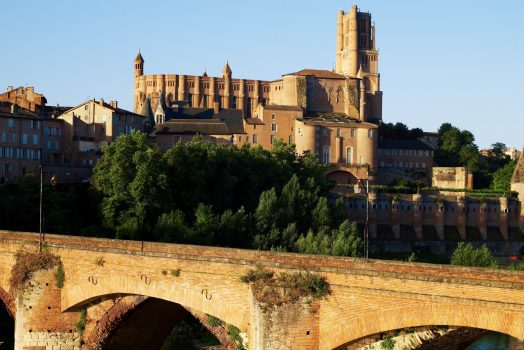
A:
{"x":366,"y":227}
{"x":41,"y":231}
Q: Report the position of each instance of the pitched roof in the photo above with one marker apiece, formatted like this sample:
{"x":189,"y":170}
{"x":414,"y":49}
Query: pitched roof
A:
{"x":139,"y":56}
{"x":255,"y":121}
{"x":203,"y":121}
{"x":518,"y":174}
{"x":282,"y":108}
{"x":319,"y":73}
{"x":404,"y":144}
{"x":330,"y":117}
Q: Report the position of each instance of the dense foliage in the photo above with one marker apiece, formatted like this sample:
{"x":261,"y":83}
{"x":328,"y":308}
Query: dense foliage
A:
{"x":217,"y":194}
{"x":467,"y":255}
{"x":398,"y":131}
{"x":67,"y":208}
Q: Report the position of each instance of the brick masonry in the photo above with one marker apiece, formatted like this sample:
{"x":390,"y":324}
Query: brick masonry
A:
{"x":363,"y":291}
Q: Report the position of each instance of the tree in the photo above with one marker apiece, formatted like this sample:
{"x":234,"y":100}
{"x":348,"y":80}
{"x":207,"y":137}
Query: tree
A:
{"x":467,"y":255}
{"x":170,"y":227}
{"x":398,"y":131}
{"x":498,"y":149}
{"x":347,"y":240}
{"x":131,"y":178}
{"x":502,"y":177}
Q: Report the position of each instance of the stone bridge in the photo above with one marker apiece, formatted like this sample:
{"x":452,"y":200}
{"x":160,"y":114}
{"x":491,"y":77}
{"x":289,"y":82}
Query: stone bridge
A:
{"x":107,"y":278}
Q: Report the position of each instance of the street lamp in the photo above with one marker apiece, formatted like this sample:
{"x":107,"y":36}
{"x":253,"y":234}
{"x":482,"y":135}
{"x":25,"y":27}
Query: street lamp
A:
{"x":41,"y":231}
{"x":366,"y":227}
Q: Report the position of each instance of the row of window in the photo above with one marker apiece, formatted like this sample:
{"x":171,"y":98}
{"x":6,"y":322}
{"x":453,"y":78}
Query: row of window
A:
{"x":50,"y":145}
{"x":340,"y":133}
{"x":404,"y":152}
{"x":19,"y":153}
{"x":53,"y":131}
{"x":326,"y":156}
{"x":14,"y":138}
{"x":33,"y":124}
{"x":236,"y":87}
{"x":409,"y":165}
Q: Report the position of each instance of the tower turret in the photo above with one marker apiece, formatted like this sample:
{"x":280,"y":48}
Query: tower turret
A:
{"x":139,"y":64}
{"x":226,"y":72}
{"x":353,"y":41}
{"x":340,"y":41}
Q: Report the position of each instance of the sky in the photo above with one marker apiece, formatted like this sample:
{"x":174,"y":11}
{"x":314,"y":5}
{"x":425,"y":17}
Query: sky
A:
{"x":440,"y":61}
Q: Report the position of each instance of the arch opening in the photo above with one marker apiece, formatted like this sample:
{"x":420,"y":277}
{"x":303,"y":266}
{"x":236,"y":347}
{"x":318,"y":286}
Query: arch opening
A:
{"x":435,"y":337}
{"x":7,"y":321}
{"x":342,"y":177}
{"x":139,"y":322}
{"x":425,"y":315}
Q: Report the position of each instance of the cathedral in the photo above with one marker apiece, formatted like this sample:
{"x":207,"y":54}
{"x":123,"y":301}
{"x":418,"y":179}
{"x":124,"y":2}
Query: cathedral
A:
{"x":331,"y":113}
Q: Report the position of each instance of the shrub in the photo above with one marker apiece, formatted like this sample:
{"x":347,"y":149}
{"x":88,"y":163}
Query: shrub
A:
{"x":234,"y":334}
{"x":388,"y":344}
{"x":175,"y":272}
{"x":258,"y":274}
{"x":285,"y":287}
{"x":82,"y":322}
{"x":27,"y":263}
{"x":214,"y":321}
{"x":467,"y":255}
{"x":100,"y":261}
{"x":60,"y":275}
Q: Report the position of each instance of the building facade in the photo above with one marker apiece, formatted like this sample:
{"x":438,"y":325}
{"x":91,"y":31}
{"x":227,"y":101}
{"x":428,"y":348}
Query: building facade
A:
{"x":330,"y":113}
{"x":92,"y":125}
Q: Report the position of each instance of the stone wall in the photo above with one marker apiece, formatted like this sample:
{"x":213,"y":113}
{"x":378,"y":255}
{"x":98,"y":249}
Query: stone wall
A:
{"x":438,"y":218}
{"x":452,"y":177}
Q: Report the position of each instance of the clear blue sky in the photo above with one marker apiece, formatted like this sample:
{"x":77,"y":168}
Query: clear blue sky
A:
{"x":441,"y":61}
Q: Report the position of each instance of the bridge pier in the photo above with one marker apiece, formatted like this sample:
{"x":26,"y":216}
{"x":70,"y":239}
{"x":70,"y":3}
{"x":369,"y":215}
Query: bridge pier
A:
{"x":39,"y":323}
{"x":290,"y":326}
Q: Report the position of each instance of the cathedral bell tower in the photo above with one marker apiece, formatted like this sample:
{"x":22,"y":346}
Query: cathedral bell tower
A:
{"x":357,"y":57}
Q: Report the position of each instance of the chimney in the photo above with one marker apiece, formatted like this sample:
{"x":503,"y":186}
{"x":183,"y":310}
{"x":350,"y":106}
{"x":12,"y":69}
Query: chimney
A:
{"x":114,"y":104}
{"x":101,"y":101}
{"x":9,"y":88}
{"x":216,"y":107}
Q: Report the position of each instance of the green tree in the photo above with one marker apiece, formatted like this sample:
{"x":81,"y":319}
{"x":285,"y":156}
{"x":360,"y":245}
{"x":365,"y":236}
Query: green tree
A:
{"x":502,"y":177}
{"x":321,"y":214}
{"x":132,"y":180}
{"x":170,"y":227}
{"x":206,"y":224}
{"x":467,"y":255}
{"x":347,"y":240}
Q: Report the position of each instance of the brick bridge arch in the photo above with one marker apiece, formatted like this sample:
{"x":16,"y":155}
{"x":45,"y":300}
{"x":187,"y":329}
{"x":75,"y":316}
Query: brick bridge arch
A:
{"x":422,"y":315}
{"x":8,"y":301}
{"x":368,"y":296}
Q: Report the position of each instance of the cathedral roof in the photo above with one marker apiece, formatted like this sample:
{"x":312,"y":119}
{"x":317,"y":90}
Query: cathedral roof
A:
{"x":227,"y":70}
{"x":139,"y":57}
{"x":319,"y":73}
{"x":147,"y":112}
